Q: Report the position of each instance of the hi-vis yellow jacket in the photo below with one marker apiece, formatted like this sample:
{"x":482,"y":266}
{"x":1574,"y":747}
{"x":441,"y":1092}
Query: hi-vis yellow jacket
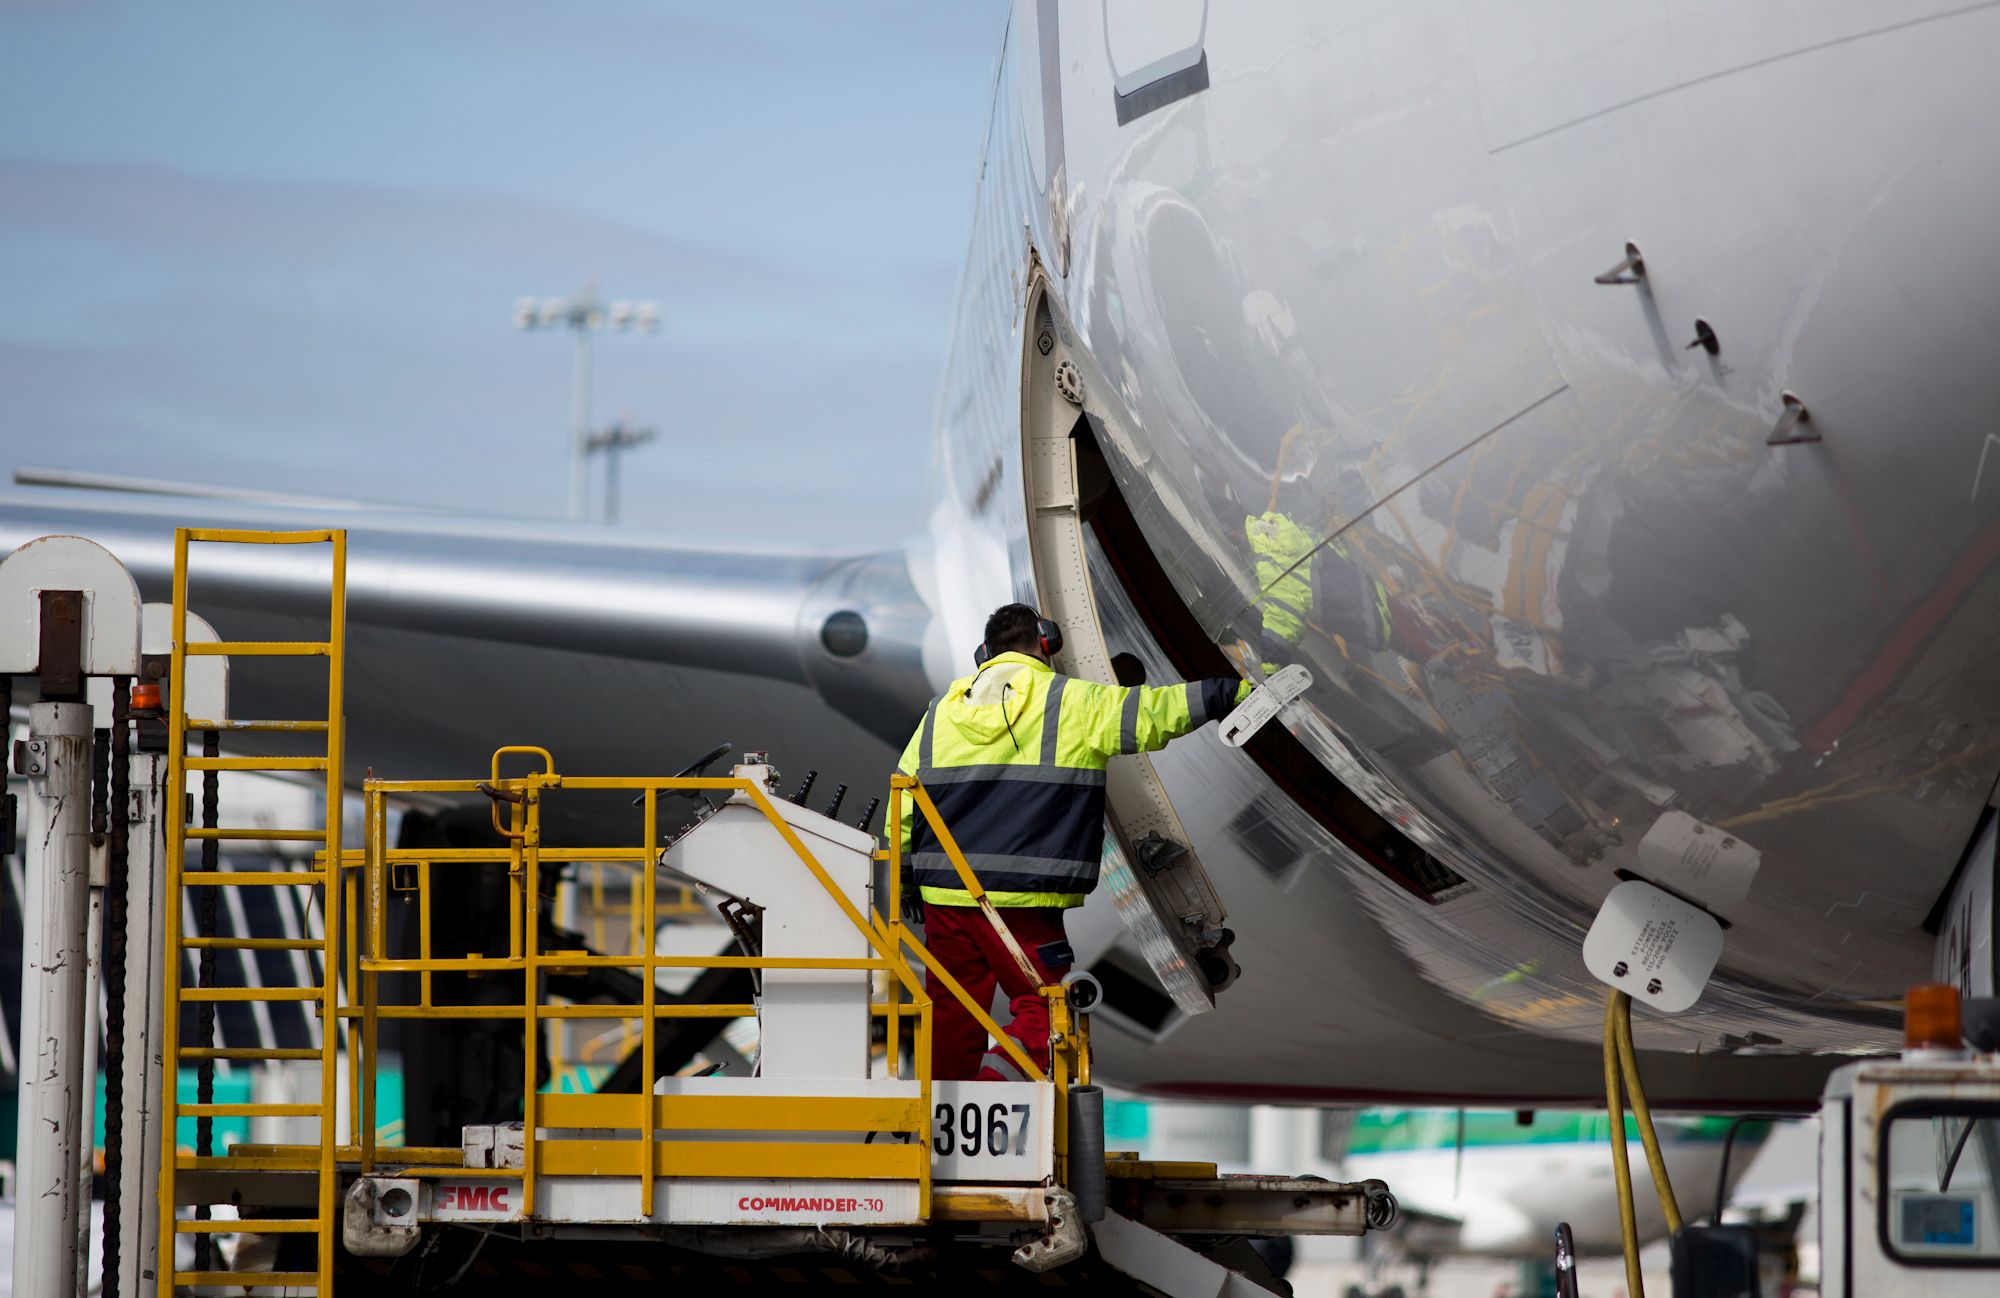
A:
{"x":1014,"y":757}
{"x":1281,"y":547}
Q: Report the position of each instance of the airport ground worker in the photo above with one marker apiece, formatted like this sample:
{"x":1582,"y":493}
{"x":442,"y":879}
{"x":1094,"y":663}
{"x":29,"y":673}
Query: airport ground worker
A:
{"x":1014,"y":757}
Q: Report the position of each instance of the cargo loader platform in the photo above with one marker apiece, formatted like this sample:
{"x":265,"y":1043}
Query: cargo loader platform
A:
{"x":829,"y":1149}
{"x":839,"y":1148}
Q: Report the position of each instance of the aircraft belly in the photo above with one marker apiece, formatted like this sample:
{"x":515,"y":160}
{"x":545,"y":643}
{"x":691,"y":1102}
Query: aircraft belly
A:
{"x":1346,"y":991}
{"x":1350,"y":987}
{"x":1347,"y":291}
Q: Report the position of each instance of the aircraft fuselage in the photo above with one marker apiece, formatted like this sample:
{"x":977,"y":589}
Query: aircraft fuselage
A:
{"x":1366,"y":353}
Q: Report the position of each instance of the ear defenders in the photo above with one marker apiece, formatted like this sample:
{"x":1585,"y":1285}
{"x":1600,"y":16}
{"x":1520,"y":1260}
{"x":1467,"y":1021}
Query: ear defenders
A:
{"x":1049,"y":634}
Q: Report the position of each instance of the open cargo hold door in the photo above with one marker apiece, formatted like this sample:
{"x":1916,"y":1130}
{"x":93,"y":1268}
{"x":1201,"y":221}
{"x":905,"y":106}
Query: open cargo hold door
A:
{"x":1163,"y":894}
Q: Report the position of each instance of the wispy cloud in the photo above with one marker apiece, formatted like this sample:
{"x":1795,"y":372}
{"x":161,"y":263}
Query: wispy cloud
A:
{"x":310,"y":221}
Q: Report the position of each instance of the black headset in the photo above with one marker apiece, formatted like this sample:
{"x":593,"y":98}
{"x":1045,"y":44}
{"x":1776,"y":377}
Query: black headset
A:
{"x":1046,"y":631}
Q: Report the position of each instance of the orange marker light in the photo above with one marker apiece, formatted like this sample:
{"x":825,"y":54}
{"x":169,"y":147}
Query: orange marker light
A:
{"x":1931,"y":1018}
{"x":146,"y":696}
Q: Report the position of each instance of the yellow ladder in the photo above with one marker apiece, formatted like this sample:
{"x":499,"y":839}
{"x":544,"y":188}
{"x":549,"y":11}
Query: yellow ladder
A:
{"x":180,"y":878}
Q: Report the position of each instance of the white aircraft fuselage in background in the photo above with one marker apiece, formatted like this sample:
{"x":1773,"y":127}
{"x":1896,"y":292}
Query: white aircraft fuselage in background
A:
{"x":1497,"y":1184}
{"x":1347,"y":393}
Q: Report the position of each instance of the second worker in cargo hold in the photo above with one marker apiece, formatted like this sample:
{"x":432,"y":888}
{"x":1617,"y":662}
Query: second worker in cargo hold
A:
{"x":1014,"y":757}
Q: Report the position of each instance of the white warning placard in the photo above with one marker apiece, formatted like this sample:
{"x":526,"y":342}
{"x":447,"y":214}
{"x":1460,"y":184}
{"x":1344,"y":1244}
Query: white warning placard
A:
{"x":1711,"y":865}
{"x":1653,"y":946}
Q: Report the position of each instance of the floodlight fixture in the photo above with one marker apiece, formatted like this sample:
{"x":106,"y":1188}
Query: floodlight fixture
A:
{"x":582,"y":315}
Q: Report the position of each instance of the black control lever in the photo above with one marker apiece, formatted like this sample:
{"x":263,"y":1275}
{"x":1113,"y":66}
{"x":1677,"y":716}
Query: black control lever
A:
{"x":868,"y":815}
{"x":691,"y":770}
{"x":833,"y":808}
{"x":805,"y":788}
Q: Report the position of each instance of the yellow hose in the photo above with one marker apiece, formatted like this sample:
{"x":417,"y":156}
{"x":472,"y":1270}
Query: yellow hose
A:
{"x":1628,"y":1061}
{"x":1614,"y":1105}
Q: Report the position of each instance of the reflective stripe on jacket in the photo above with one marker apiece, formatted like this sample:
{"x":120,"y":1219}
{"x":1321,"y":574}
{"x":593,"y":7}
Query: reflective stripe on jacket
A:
{"x":1014,"y":758}
{"x":1281,"y":547}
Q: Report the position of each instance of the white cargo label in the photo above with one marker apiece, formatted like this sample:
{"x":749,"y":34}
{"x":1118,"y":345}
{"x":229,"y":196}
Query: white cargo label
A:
{"x":1653,"y":946}
{"x":1711,"y":865}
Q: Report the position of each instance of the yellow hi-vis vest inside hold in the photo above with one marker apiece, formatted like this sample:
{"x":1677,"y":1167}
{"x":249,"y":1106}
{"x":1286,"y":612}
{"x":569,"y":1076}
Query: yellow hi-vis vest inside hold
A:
{"x":1014,"y":758}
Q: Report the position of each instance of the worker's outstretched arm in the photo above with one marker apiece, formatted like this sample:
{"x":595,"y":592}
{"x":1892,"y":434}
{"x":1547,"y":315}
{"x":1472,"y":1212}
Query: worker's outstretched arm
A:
{"x":1116,"y":719}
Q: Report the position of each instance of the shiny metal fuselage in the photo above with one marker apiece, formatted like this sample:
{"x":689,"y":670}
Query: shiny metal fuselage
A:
{"x":1559,"y":584}
{"x":618,"y":652}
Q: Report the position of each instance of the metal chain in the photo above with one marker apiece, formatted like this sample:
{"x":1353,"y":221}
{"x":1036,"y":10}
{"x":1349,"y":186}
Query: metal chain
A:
{"x":100,"y":785}
{"x":116,"y":916}
{"x":100,"y":796}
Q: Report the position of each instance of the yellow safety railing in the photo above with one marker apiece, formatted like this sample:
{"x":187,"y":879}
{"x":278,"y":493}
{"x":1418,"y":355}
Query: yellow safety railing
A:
{"x":371,"y":876}
{"x":177,"y":946}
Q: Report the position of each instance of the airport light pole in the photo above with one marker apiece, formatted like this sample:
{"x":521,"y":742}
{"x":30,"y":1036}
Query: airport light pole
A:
{"x":583,"y":315}
{"x":618,"y":437}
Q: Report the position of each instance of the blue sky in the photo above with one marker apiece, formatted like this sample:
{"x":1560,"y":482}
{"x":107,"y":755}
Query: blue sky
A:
{"x":277,"y":245}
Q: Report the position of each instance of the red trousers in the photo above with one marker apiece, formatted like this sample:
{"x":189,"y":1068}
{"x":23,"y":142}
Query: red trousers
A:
{"x":964,"y":942}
